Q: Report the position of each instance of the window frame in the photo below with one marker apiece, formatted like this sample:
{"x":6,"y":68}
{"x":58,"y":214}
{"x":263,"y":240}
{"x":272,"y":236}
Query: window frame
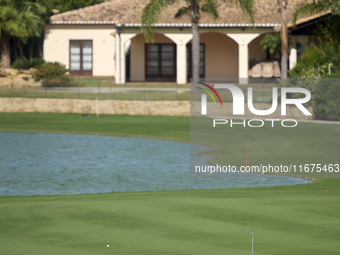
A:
{"x":81,"y":71}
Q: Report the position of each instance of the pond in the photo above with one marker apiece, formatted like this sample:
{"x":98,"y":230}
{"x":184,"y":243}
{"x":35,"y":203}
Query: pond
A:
{"x":57,"y":164}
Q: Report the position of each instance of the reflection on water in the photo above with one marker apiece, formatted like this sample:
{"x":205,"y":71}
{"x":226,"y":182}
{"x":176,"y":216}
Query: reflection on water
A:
{"x":55,"y":164}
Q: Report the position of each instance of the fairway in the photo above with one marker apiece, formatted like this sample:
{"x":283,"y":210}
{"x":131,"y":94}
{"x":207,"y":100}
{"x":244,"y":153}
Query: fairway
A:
{"x":286,"y":220}
{"x":301,"y":219}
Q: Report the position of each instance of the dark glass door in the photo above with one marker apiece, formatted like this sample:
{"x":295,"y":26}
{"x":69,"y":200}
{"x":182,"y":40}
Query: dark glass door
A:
{"x":160,"y":62}
{"x":189,"y":61}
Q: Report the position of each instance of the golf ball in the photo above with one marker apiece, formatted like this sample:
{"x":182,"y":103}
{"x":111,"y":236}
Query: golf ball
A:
{"x":107,"y":246}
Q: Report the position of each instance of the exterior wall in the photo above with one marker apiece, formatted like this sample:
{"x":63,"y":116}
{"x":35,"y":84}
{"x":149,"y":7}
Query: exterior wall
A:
{"x":221,"y":56}
{"x":137,"y":57}
{"x":56,"y":45}
{"x":256,"y":54}
{"x":224,"y":55}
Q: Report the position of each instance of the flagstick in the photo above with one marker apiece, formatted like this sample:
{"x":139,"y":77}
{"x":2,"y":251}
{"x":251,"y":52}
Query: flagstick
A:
{"x":252,"y":242}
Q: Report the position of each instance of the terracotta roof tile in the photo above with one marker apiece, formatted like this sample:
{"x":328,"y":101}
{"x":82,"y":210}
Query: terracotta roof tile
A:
{"x":129,"y":12}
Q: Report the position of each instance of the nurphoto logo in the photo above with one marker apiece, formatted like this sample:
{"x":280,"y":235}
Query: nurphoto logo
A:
{"x":238,"y":99}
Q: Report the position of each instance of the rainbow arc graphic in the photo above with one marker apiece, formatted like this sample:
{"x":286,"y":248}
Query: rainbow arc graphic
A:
{"x":209,"y":93}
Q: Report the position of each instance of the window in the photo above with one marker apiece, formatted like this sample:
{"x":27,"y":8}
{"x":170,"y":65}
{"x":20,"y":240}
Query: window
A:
{"x":189,"y":61}
{"x":160,"y":62}
{"x":81,"y":57}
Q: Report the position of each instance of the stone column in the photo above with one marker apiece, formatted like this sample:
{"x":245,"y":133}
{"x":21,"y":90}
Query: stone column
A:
{"x":122,"y":63}
{"x":293,"y":54}
{"x":243,"y":40}
{"x":243,"y":63}
{"x":181,"y":64}
{"x":117,"y":60}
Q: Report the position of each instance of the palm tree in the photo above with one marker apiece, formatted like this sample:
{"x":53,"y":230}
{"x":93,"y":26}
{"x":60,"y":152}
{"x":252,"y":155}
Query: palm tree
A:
{"x":19,"y":19}
{"x":282,"y":9}
{"x":316,"y":7}
{"x":193,"y":8}
{"x":272,"y":44}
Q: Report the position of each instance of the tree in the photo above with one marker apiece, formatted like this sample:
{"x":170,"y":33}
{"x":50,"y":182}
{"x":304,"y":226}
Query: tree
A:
{"x":316,"y":7}
{"x":282,"y":9}
{"x":20,"y":19}
{"x":193,"y":8}
{"x":329,"y":33}
{"x":272,"y":44}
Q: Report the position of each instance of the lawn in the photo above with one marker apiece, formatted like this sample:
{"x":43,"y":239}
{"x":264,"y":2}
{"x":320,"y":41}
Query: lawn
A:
{"x":105,"y":90}
{"x":109,"y":82}
{"x":302,"y":219}
{"x":101,"y":94}
{"x":286,"y":220}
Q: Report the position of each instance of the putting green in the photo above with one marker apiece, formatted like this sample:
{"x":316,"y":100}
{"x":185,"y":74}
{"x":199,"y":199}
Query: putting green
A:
{"x":302,"y":219}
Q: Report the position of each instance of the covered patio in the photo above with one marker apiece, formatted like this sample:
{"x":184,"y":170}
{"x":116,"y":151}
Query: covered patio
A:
{"x":225,"y":52}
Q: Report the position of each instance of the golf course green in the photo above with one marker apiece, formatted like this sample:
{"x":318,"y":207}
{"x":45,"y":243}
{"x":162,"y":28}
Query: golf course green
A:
{"x":300,"y":219}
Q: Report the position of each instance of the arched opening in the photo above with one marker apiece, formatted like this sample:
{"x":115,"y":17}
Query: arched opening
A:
{"x":261,"y":64}
{"x":220,"y":56}
{"x":256,"y":54}
{"x":152,"y":62}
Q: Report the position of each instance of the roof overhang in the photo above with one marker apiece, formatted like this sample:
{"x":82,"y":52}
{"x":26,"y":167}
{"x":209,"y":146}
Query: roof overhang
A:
{"x":82,"y":22}
{"x":165,"y":25}
{"x":204,"y":25}
{"x":307,"y":25}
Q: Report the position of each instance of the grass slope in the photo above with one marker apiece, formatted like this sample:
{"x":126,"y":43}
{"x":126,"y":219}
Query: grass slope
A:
{"x":174,"y":128}
{"x":302,"y":219}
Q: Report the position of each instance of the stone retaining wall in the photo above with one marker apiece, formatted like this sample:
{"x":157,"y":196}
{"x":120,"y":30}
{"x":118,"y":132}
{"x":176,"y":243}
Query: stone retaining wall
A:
{"x":12,"y":78}
{"x":170,"y":108}
{"x":131,"y":107}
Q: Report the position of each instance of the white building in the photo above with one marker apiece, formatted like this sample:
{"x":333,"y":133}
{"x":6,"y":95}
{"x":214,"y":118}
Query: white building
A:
{"x":106,"y":40}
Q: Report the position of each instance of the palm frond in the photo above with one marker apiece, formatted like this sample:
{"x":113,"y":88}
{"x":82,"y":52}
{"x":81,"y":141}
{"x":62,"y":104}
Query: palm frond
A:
{"x":20,"y":18}
{"x":182,"y":11}
{"x":272,"y":43}
{"x":150,"y":14}
{"x":210,"y":6}
{"x":311,"y":8}
{"x":247,"y":6}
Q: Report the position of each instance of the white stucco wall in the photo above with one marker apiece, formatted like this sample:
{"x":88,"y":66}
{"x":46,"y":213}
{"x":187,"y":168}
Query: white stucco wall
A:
{"x":56,"y":45}
{"x":221,"y":55}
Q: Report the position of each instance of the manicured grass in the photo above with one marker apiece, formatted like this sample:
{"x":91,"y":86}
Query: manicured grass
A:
{"x":79,"y":94}
{"x":92,"y":81}
{"x":302,"y":219}
{"x":174,"y":128}
{"x":307,"y":143}
{"x":109,"y":82}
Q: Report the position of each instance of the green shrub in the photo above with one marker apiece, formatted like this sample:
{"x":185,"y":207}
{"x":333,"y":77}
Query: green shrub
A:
{"x":271,"y":43}
{"x":24,"y":63}
{"x":332,"y":75}
{"x":53,"y":74}
{"x":315,"y":60}
{"x":310,"y":84}
{"x":326,"y":97}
